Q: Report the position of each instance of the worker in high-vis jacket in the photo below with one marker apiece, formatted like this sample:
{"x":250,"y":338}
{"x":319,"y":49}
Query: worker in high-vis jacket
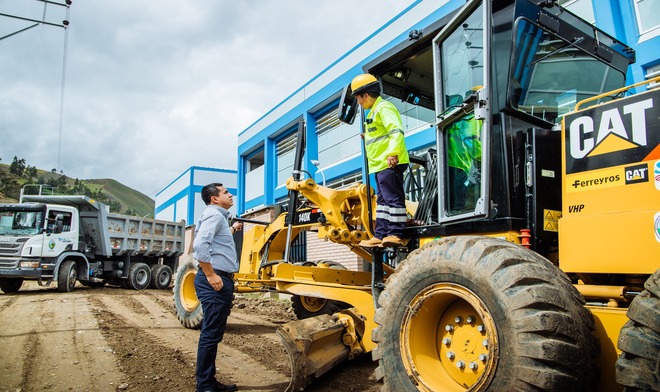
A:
{"x":387,"y":158}
{"x":463,"y":149}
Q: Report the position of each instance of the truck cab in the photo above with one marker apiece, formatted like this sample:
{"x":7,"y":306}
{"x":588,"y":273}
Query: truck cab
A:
{"x":33,"y":237}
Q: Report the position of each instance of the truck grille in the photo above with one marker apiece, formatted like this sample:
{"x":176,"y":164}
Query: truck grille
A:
{"x":10,"y":249}
{"x":6,"y":263}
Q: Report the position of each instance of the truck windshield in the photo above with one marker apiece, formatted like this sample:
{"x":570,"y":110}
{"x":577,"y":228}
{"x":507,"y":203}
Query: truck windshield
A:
{"x":550,"y":75}
{"x":21,"y":222}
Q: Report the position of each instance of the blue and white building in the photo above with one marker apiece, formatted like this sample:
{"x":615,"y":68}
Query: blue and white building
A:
{"x":182,"y":199}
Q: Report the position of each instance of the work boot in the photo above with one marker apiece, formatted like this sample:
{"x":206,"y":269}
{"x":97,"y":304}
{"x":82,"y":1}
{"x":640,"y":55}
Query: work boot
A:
{"x":372,"y":242}
{"x":220,"y":387}
{"x":392,"y":241}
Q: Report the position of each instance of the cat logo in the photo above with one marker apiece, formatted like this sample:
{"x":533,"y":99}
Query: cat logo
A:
{"x":614,"y":133}
{"x":611,"y":134}
{"x":638,"y":173}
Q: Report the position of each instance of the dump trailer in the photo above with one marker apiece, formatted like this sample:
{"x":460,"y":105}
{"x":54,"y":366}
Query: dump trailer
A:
{"x":535,"y":266}
{"x":74,"y":238}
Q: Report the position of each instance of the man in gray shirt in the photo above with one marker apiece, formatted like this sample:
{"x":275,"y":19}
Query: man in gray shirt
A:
{"x":215,"y":250}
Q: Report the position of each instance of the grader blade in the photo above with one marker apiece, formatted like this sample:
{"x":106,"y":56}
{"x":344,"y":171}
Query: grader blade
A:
{"x":314,"y":345}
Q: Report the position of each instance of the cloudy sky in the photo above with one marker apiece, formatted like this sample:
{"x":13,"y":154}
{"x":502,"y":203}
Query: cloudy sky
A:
{"x":153,"y":87}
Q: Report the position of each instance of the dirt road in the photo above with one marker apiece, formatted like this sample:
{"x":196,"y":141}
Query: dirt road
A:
{"x":113,"y":339}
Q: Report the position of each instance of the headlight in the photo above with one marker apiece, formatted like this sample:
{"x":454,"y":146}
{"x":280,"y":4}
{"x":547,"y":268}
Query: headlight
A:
{"x":29,"y":264}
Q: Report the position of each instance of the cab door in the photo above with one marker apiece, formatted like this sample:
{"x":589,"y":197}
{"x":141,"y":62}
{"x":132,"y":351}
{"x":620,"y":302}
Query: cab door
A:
{"x":461,"y":53}
{"x":61,"y":234}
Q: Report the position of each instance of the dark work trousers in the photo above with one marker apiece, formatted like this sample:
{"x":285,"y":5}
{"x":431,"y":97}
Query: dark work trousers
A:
{"x":458,"y":181}
{"x":216,"y":306}
{"x":391,"y":201}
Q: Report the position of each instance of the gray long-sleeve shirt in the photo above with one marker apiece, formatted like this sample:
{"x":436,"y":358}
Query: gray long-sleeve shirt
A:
{"x":214,"y":242}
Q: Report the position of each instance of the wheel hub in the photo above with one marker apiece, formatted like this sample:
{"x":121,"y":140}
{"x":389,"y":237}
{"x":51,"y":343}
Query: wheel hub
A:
{"x":188,"y":294}
{"x":448,"y":340}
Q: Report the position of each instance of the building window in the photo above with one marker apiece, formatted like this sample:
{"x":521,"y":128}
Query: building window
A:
{"x":647,"y":16}
{"x":652,"y":72}
{"x":286,"y":152}
{"x":255,"y":162}
{"x":254,"y":177}
{"x":412,"y":116}
{"x":346,"y":181}
{"x":582,"y":8}
{"x":337,"y":140}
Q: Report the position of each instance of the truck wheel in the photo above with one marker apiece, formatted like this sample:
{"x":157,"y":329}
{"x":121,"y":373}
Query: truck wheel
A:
{"x":10,"y":285}
{"x":161,"y":277}
{"x":478,"y":313}
{"x":638,"y":366}
{"x":306,"y":307}
{"x":139,"y":276}
{"x":66,"y":279}
{"x":187,"y":306}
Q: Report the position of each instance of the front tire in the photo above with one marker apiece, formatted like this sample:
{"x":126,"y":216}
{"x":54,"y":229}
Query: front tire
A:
{"x":10,"y":285}
{"x":483,"y":314}
{"x":187,"y":306}
{"x":66,"y":279}
{"x":638,"y":366}
{"x":139,"y":276}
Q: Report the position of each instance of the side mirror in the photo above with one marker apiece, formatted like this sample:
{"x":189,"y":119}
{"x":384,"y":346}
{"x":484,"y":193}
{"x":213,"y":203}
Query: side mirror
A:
{"x":347,"y":106}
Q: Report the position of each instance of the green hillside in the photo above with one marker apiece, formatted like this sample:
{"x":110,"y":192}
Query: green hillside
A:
{"x":121,"y":198}
{"x":127,"y":197}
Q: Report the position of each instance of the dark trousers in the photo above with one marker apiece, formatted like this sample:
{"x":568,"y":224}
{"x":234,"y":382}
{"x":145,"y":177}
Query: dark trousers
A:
{"x":391,"y":201}
{"x":458,"y":188}
{"x":216,"y":306}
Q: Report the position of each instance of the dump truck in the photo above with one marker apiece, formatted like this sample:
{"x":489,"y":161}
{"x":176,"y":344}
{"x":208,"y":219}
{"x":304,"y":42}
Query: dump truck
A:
{"x":539,"y":269}
{"x":65,"y":239}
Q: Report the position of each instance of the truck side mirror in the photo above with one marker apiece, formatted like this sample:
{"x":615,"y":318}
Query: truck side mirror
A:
{"x":347,"y":106}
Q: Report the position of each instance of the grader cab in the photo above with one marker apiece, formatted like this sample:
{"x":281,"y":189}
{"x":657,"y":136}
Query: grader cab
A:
{"x":537,"y":268}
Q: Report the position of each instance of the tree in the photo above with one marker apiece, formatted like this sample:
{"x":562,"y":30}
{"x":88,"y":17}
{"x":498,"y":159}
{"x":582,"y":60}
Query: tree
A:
{"x":17,"y":166}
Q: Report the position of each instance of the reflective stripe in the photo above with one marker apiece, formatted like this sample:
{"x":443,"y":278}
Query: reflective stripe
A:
{"x":392,"y":214}
{"x":378,"y":138}
{"x":392,"y":132}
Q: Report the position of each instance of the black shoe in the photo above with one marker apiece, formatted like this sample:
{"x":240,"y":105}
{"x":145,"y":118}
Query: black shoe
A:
{"x":220,"y":387}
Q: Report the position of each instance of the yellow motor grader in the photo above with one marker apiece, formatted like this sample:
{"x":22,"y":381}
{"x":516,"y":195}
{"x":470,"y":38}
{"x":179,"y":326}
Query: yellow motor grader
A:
{"x":538,"y":268}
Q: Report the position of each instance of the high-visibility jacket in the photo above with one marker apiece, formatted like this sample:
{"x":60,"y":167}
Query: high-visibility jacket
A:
{"x":383,"y":136}
{"x":464,"y":144}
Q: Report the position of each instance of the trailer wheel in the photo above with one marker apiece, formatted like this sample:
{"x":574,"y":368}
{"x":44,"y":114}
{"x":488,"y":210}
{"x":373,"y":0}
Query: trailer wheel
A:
{"x":10,"y":285}
{"x":306,"y":307}
{"x":66,"y":279}
{"x":139,"y":276}
{"x":478,"y":313}
{"x":638,"y":366}
{"x":187,"y":306}
{"x":161,"y":277}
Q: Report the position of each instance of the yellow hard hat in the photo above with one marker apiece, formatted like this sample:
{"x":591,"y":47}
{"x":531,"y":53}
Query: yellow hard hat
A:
{"x":363,"y":83}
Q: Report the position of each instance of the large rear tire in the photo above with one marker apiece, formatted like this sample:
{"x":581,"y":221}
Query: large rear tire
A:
{"x":10,"y":285}
{"x":67,"y":276}
{"x":139,"y":276}
{"x":638,"y":366}
{"x":161,"y":277}
{"x":187,"y":306}
{"x":481,"y":314}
